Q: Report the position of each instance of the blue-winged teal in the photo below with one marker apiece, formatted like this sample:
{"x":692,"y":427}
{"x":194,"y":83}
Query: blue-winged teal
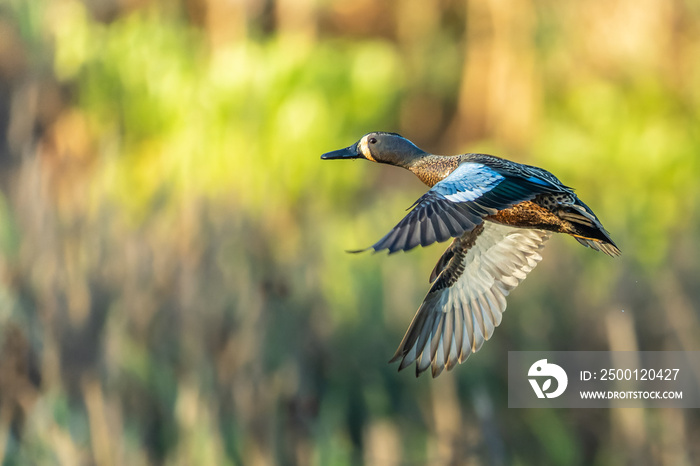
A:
{"x":499,"y":213}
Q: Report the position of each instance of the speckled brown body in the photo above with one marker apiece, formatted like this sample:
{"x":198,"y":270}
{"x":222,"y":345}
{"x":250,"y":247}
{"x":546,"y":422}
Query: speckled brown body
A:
{"x":531,"y":215}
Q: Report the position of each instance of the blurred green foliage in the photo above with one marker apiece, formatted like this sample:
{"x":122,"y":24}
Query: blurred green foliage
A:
{"x":173,"y":282}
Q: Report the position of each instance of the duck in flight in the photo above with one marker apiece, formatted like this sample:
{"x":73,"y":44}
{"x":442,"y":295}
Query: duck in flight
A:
{"x":500,"y":214}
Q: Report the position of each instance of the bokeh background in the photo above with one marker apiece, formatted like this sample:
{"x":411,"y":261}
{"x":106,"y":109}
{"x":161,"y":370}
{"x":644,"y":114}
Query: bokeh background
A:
{"x":173,"y":282}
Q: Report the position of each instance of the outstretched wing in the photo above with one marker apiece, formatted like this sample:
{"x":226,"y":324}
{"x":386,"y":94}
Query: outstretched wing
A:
{"x":457,"y":204}
{"x":467,"y":299}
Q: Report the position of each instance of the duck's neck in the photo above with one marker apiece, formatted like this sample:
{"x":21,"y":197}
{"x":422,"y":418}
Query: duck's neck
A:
{"x":433,"y":168}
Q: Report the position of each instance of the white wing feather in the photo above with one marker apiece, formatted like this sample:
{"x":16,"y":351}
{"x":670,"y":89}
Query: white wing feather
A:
{"x":455,"y":320}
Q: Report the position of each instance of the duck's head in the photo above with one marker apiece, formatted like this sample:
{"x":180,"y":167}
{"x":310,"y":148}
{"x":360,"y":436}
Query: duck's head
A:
{"x":380,"y":147}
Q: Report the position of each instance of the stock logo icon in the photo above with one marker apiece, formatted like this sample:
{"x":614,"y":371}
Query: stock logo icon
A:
{"x":545,"y":372}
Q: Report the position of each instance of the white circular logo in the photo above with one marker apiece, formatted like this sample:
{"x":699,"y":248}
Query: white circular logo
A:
{"x":541,"y":370}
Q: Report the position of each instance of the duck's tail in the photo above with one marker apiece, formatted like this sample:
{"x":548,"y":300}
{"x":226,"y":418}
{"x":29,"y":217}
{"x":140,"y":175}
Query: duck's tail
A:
{"x":587,"y":228}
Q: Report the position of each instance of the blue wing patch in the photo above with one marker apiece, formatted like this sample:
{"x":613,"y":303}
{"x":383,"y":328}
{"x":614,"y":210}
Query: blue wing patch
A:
{"x":468,"y":182}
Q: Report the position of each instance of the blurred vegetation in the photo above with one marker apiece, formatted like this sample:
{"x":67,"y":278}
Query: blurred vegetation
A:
{"x":173,"y":282}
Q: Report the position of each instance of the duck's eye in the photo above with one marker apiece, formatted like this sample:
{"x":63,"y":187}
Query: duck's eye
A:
{"x":372,"y":140}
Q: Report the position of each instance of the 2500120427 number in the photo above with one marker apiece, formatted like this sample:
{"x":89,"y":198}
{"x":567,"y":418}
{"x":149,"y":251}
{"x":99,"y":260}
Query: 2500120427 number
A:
{"x":639,"y":374}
